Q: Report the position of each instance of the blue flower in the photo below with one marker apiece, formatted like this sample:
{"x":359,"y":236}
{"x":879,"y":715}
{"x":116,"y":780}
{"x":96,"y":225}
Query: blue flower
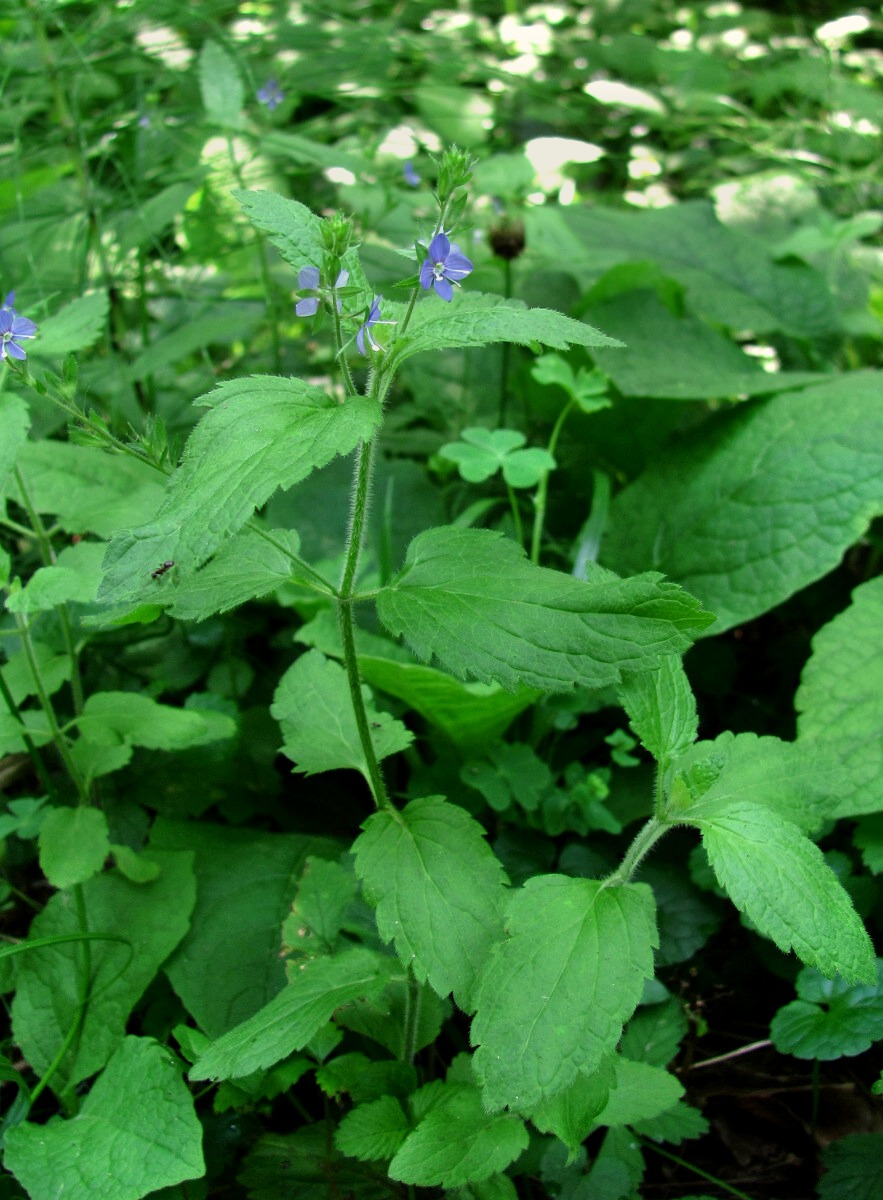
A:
{"x":12,"y":329}
{"x":365,"y":331}
{"x":271,"y":94}
{"x":443,"y":266}
{"x":412,"y":179}
{"x":309,"y":279}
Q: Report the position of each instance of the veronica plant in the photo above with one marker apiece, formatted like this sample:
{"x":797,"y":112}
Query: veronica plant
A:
{"x":548,"y":972}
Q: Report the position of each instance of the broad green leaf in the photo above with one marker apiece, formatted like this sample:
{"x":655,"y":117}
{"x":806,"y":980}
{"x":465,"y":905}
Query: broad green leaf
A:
{"x":661,"y":708}
{"x":854,"y":1168}
{"x":135,"y":1133}
{"x":458,"y":1142}
{"x":75,"y":327}
{"x":471,"y":715}
{"x":680,"y":358}
{"x":730,"y":278}
{"x":294,"y":1016}
{"x":294,"y":230}
{"x":112,"y":718}
{"x":246,"y":567}
{"x":146,"y":223}
{"x":640,"y":1091}
{"x":514,"y":772}
{"x":830,"y":1018}
{"x":780,"y":880}
{"x":393,"y":1021}
{"x":133,"y":865}
{"x":800,"y":783}
{"x":74,"y":577}
{"x":373,"y":1131}
{"x":261,"y":433}
{"x":676,"y":1124}
{"x":573,"y":1113}
{"x":356,"y":1075}
{"x":840,"y":700}
{"x":868,"y":837}
{"x":471,"y":598}
{"x":151,"y":918}
{"x":618,"y":1168}
{"x":438,"y":888}
{"x":73,"y":843}
{"x":312,"y":703}
{"x":760,"y":501}
{"x":87,"y":490}
{"x":655,"y":1032}
{"x":687,"y":917}
{"x":221,"y":86}
{"x":553,"y":997}
{"x":324,"y":893}
{"x":15,"y":421}
{"x":473,"y":319}
{"x":246,"y":881}
{"x":54,"y":670}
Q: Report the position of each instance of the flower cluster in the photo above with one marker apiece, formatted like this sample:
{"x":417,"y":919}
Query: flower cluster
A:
{"x":443,"y":266}
{"x":12,"y":329}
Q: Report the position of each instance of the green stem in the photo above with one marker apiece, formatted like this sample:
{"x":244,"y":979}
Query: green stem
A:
{"x":34,"y":754}
{"x":505,"y":350}
{"x":539,"y":515}
{"x":645,"y":839}
{"x":48,"y":555}
{"x":49,"y":712}
{"x":355,"y":535}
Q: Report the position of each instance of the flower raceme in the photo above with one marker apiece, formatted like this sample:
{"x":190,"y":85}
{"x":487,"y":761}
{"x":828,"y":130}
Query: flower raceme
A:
{"x":443,"y":267}
{"x":13,"y":329}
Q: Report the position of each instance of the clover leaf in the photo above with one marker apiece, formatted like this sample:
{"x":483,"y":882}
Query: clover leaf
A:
{"x":483,"y":452}
{"x":588,"y":389}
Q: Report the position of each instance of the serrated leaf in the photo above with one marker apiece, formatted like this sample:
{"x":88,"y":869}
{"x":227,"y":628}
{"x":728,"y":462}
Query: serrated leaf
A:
{"x":654,"y":1033}
{"x":830,"y":1018}
{"x":324,"y":893}
{"x":779,"y":878}
{"x":221,"y":86}
{"x":246,"y":567}
{"x":373,"y":1131}
{"x":458,"y":1142}
{"x":661,"y":708}
{"x":294,"y":230}
{"x":54,"y":671}
{"x":438,"y":888}
{"x":111,"y":718}
{"x":294,"y":1016}
{"x":73,"y":577}
{"x":572,"y":1114}
{"x":73,"y":843}
{"x":553,"y":998}
{"x":854,"y":1168}
{"x":136,"y":1132}
{"x":472,"y":715}
{"x":801,"y":783}
{"x":471,"y":598}
{"x":758,"y":502}
{"x":262,"y":433}
{"x":640,"y":1091}
{"x":840,"y":699}
{"x":312,"y":703}
{"x":473,"y":319}
{"x":676,"y":1124}
{"x":75,"y":327}
{"x":147,"y":921}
